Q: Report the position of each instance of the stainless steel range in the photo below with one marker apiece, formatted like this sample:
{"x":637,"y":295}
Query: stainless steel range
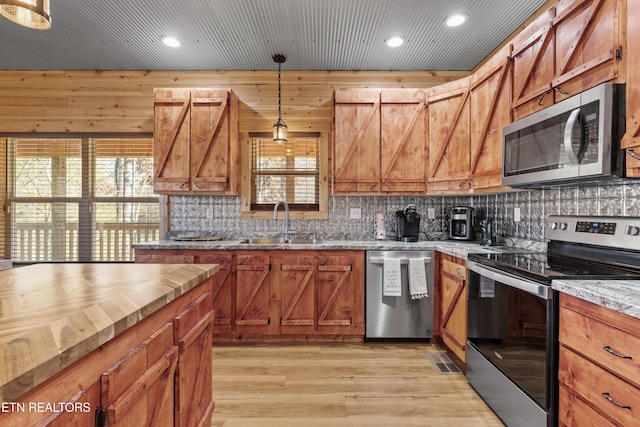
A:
{"x":512,"y":352}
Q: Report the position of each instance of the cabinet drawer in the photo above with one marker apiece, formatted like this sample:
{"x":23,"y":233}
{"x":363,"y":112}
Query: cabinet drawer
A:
{"x":606,"y":393}
{"x":606,"y":345}
{"x":575,"y":412}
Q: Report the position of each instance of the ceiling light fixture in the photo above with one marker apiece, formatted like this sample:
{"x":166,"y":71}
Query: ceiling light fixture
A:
{"x":456,"y":19}
{"x":394,"y":41}
{"x":170,"y":41}
{"x":29,"y":13}
{"x":280,"y":128}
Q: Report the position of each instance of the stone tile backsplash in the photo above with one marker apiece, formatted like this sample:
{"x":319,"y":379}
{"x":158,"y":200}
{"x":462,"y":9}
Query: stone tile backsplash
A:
{"x":193,"y":213}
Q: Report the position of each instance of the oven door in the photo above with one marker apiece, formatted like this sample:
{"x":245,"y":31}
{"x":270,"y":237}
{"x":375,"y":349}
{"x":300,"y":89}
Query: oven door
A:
{"x":512,"y":345}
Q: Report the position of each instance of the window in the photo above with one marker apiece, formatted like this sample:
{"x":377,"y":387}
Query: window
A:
{"x":286,"y":172}
{"x":80,"y":199}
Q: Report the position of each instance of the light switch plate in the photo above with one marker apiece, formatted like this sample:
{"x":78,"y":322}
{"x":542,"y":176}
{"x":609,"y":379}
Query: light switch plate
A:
{"x":355,"y":213}
{"x":431,"y":213}
{"x":516,"y":214}
{"x":209,"y":212}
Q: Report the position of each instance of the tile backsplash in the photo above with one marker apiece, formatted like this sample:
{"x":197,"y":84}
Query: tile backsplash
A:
{"x":220,"y":215}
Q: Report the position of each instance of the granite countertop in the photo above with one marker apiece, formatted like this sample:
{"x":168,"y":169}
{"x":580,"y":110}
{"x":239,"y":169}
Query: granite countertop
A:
{"x":622,"y":296}
{"x":51,"y":315}
{"x":455,"y":248}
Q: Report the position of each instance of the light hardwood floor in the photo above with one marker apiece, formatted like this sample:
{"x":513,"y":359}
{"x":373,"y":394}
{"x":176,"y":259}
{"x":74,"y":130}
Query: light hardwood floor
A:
{"x":312,"y":385}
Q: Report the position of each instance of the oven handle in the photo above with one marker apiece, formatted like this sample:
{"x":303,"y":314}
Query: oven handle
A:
{"x":528,"y":286}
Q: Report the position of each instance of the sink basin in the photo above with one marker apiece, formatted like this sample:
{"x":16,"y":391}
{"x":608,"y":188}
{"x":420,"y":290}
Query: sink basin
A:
{"x":269,"y":241}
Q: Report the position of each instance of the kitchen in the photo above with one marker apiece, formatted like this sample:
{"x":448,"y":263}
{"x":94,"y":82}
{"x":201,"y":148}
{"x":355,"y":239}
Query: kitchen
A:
{"x":518,"y":215}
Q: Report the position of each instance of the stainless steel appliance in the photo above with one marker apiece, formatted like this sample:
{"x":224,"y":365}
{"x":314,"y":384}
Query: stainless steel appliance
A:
{"x":488,"y":233}
{"x":461,"y":223}
{"x":397,"y":317}
{"x":575,"y":140}
{"x":512,"y":351}
{"x":408,"y":224}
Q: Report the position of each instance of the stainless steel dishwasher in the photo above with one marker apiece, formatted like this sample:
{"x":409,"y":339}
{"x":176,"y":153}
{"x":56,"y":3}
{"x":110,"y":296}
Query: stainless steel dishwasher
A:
{"x":397,"y":317}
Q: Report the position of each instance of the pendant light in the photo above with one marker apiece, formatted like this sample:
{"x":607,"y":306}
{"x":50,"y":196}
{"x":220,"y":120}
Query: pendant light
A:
{"x":30,"y":13}
{"x":280,"y":128}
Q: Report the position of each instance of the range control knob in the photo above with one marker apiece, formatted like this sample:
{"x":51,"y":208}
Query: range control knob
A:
{"x":563,"y":226}
{"x":632,"y":230}
{"x":553,"y":225}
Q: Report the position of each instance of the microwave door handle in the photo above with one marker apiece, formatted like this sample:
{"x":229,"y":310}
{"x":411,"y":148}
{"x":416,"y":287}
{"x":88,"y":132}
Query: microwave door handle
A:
{"x":568,"y":136}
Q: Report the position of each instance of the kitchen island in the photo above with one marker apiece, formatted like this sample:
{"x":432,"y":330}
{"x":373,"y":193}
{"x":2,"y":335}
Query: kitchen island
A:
{"x":75,"y":338}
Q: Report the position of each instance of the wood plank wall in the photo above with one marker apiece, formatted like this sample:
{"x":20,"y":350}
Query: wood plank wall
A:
{"x":121,"y":102}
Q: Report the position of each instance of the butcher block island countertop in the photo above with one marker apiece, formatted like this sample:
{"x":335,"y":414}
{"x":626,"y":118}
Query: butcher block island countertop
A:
{"x":52,"y":315}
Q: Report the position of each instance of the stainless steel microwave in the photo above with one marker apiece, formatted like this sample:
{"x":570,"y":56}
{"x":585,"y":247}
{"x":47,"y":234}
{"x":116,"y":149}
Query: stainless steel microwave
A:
{"x":574,"y":141}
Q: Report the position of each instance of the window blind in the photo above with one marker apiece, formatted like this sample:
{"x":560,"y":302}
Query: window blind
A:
{"x":80,"y":199}
{"x":288,"y":172}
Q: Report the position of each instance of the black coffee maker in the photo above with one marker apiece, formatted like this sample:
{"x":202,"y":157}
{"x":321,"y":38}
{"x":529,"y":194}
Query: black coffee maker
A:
{"x":408,"y":224}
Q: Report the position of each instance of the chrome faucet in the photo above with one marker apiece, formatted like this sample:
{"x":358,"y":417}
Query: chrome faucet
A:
{"x":286,"y":216}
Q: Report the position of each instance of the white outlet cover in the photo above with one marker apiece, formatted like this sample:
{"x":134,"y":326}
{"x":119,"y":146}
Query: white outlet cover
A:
{"x":210,"y":212}
{"x":431,"y":213}
{"x":355,"y":213}
{"x":516,"y":214}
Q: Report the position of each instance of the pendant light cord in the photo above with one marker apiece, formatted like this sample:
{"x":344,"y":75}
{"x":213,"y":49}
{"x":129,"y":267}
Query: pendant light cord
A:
{"x":279,"y":108}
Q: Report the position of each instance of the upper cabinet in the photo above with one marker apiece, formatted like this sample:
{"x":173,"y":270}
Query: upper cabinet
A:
{"x":588,"y":45}
{"x":449,"y":138}
{"x":490,"y":99}
{"x":533,"y":66}
{"x":356,"y":141}
{"x":631,"y":139}
{"x":379,"y":143}
{"x":195,"y":141}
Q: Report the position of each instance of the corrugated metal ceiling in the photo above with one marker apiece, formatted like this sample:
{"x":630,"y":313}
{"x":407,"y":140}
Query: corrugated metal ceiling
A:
{"x":244,"y":34}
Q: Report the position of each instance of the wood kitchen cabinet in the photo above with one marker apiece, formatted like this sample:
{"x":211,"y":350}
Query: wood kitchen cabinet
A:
{"x":282,"y":294}
{"x":453,"y":315}
{"x":195,"y":141}
{"x":379,"y":143}
{"x":598,"y":371}
{"x":490,"y":107}
{"x":449,"y":138}
{"x":631,"y":139}
{"x":533,"y":66}
{"x":356,"y":141}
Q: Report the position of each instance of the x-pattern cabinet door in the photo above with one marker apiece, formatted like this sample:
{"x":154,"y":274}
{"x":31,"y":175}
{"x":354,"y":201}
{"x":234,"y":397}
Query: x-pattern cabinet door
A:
{"x":298,"y":277}
{"x":253,"y":311}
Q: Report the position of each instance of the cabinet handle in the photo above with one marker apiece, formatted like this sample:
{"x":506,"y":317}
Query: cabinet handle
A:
{"x":542,"y":97}
{"x":459,"y":271}
{"x":387,"y":185}
{"x":195,"y":184}
{"x":612,"y":400}
{"x":184,"y":184}
{"x":373,"y":186}
{"x":632,"y":154}
{"x":609,"y":350}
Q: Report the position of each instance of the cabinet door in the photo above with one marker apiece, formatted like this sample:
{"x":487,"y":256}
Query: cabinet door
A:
{"x":588,"y":44}
{"x":631,"y":140}
{"x":340,"y":294}
{"x":171,"y":135}
{"x":449,"y":138}
{"x":453,"y":321}
{"x":213,"y":140}
{"x":298,"y":293}
{"x":252,"y":293}
{"x":223,"y":291}
{"x":533,"y":66}
{"x":490,"y":97}
{"x":84,"y":403}
{"x":142,"y":257}
{"x":138,"y":390}
{"x":403,"y":155}
{"x":193,"y":383}
{"x":356,"y":141}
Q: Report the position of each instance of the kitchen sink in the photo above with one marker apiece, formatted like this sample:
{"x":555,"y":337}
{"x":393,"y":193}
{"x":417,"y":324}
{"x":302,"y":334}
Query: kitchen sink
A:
{"x":271,"y":241}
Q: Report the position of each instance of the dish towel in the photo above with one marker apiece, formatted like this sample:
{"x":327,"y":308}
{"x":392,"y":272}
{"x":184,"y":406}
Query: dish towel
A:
{"x":417,"y":279}
{"x":391,"y":286}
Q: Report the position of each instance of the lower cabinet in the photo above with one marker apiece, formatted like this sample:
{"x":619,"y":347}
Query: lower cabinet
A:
{"x":453,"y":313}
{"x":155,"y":373}
{"x":292,"y":295}
{"x":599,"y":372}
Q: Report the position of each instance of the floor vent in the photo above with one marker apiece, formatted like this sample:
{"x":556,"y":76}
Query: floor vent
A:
{"x":443,"y":363}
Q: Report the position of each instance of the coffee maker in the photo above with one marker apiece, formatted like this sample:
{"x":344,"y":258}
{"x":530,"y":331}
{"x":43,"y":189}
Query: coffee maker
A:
{"x":408,"y":224}
{"x":461,"y":223}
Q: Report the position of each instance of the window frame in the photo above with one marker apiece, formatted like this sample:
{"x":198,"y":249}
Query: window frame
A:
{"x":246,"y":182}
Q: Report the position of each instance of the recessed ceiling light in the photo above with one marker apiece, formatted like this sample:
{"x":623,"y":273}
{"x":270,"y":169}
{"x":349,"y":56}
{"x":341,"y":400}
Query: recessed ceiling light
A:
{"x":456,"y":19}
{"x":171,"y":41}
{"x":394,"y":41}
